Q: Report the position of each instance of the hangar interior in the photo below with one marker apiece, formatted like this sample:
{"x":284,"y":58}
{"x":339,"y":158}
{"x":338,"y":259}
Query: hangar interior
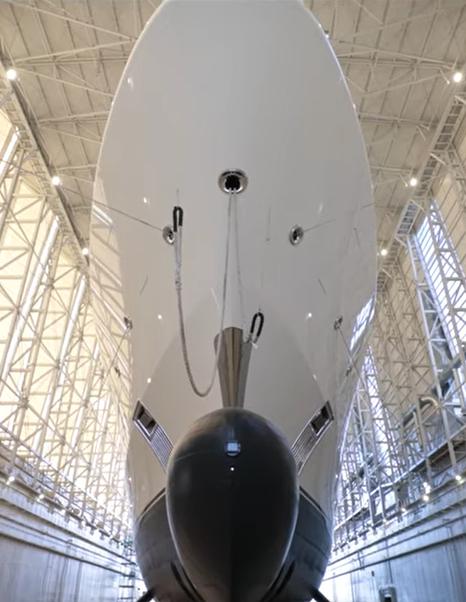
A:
{"x":65,"y":530}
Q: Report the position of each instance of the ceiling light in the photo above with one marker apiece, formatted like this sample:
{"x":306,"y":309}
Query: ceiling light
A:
{"x":425,"y":497}
{"x":40,"y":497}
{"x":459,"y":478}
{"x":309,"y":316}
{"x":458,"y":77}
{"x":384,"y":252}
{"x":144,"y":200}
{"x":56,"y":180}
{"x":413,"y":182}
{"x":159,"y":317}
{"x":12,"y":74}
{"x":85,"y":251}
{"x":149,"y":380}
{"x":11,"y":479}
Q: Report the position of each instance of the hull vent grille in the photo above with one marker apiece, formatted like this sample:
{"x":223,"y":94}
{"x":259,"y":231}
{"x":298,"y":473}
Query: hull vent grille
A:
{"x":311,"y":434}
{"x":153,"y":433}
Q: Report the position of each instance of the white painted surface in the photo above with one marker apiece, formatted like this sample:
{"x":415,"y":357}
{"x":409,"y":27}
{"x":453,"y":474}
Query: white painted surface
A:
{"x":213,"y":85}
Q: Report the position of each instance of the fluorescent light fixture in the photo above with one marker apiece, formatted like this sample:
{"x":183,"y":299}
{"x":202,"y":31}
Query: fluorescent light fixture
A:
{"x":12,"y":74}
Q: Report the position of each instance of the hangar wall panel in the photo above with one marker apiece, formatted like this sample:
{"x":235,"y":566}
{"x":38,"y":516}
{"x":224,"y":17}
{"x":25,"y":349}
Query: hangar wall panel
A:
{"x":421,"y":557}
{"x":49,"y":558}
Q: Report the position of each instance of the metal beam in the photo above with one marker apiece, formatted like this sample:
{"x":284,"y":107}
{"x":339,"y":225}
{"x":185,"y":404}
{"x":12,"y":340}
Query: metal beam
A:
{"x":21,"y":117}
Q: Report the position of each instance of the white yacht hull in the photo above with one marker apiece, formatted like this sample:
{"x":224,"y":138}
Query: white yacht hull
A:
{"x":223,"y":85}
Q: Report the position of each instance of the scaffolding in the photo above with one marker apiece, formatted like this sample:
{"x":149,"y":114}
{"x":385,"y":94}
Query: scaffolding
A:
{"x":406,"y":437}
{"x":64,"y":397}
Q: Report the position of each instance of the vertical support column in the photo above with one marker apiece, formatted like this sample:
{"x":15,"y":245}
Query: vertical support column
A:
{"x":434,"y":338}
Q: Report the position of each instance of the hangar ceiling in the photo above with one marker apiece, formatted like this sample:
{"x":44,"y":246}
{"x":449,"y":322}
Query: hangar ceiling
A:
{"x":399,"y":57}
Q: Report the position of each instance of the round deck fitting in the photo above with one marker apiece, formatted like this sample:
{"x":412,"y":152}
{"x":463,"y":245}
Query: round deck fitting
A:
{"x":296,"y":235}
{"x":168,"y":235}
{"x":233,"y":181}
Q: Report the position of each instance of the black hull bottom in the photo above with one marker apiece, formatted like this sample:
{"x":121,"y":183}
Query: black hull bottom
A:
{"x":299,"y":577}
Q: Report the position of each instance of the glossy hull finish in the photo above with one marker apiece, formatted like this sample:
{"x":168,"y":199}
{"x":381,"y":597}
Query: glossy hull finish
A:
{"x":251,"y":85}
{"x":232,"y":514}
{"x":302,"y":570}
